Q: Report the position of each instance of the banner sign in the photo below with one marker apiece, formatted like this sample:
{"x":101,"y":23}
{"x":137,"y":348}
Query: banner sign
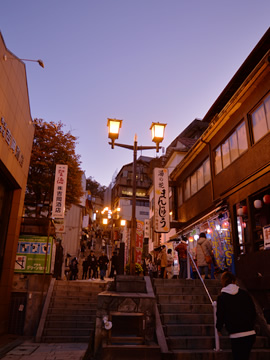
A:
{"x":31,"y":254}
{"x":59,"y":194}
{"x":147,"y":228}
{"x":161,"y":196}
{"x":139,"y":242}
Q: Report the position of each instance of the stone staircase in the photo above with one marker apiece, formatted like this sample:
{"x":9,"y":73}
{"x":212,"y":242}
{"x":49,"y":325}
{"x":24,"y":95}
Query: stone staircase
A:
{"x":71,"y":314}
{"x":188,"y":322}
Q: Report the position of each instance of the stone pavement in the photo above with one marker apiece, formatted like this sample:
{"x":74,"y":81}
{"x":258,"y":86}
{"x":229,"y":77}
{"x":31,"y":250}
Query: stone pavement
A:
{"x":41,"y":351}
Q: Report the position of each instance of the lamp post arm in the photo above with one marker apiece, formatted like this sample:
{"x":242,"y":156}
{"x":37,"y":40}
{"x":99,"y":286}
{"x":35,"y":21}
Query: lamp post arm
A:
{"x":130,"y":147}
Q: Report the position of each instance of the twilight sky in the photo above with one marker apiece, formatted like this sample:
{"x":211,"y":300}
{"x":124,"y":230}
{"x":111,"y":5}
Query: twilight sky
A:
{"x":136,"y":60}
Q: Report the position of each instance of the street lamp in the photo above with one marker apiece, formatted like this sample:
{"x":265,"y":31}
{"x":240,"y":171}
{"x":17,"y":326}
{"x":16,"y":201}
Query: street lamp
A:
{"x":40,"y":62}
{"x":157,"y":129}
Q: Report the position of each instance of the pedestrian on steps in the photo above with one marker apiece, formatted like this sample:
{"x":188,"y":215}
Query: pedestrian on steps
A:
{"x":92,"y":265}
{"x":103,"y":262}
{"x":85,"y":269}
{"x":236,"y":310}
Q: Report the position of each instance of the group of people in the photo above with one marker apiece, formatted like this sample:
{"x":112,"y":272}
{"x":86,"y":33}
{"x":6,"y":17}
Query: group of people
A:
{"x":91,"y":264}
{"x":92,"y":267}
{"x":161,"y":264}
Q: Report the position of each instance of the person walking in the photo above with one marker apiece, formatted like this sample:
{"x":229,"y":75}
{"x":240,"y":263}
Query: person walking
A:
{"x":169,"y":268}
{"x":163,"y":261}
{"x":85,"y":268}
{"x":103,"y":262}
{"x":181,"y":249}
{"x":114,"y":265}
{"x":236,"y":310}
{"x":73,"y":269}
{"x":92,"y":264}
{"x":204,"y":251}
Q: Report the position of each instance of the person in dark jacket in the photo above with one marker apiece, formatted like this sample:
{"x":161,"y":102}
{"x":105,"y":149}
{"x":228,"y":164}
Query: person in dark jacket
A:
{"x":73,"y":269}
{"x":92,"y":263}
{"x":85,"y":268}
{"x":103,"y":264}
{"x":114,"y":265}
{"x":236,"y":310}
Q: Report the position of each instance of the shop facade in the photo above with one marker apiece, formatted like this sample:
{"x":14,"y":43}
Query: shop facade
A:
{"x":222,"y":185}
{"x":16,"y":138}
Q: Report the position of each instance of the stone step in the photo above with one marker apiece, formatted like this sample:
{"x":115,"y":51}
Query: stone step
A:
{"x":131,"y":352}
{"x":186,"y":308}
{"x":187,"y":318}
{"x":70,"y":317}
{"x":65,"y":339}
{"x":256,"y":354}
{"x":77,"y":332}
{"x":71,"y":293}
{"x":208,"y":342}
{"x":83,"y":312}
{"x":187,"y":299}
{"x":72,"y":303}
{"x":189,"y":330}
{"x":178,"y":290}
{"x":73,"y":323}
{"x":195,"y":342}
{"x":186,"y":282}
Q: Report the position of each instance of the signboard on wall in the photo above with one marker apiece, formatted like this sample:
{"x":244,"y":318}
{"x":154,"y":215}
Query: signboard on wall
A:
{"x":59,"y":194}
{"x":161,"y":201}
{"x":266,"y":237}
{"x":31,"y":254}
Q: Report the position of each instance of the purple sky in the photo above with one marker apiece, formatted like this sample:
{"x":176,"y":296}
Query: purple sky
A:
{"x":136,"y":60}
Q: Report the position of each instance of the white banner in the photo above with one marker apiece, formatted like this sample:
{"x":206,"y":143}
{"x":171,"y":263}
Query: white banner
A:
{"x":59,"y":194}
{"x":161,"y":194}
{"x":147,"y":228}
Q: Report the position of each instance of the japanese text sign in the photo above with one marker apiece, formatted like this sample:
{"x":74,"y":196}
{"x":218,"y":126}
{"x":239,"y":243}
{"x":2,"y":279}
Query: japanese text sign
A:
{"x":59,"y":195}
{"x":161,"y":196}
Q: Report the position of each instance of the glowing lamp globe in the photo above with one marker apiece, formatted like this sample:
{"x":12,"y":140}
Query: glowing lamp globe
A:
{"x":240,"y":211}
{"x":244,"y":210}
{"x":266,"y":199}
{"x":258,"y":204}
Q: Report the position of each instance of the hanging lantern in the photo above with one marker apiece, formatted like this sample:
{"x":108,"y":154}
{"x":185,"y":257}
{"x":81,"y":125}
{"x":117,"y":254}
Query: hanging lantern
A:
{"x":244,"y":210}
{"x":266,"y":199}
{"x":258,"y":204}
{"x":240,"y":211}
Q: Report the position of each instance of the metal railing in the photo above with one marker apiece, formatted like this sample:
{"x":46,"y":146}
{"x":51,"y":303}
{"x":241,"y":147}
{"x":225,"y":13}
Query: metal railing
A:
{"x":214,"y":303}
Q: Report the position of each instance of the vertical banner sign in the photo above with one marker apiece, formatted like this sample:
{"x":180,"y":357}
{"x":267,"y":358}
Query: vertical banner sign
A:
{"x":161,"y":195}
{"x":59,"y":194}
{"x":147,"y":228}
{"x":139,"y":242}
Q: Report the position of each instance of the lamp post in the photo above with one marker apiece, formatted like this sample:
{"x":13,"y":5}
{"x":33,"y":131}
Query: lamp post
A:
{"x":157,"y":129}
{"x":40,"y":62}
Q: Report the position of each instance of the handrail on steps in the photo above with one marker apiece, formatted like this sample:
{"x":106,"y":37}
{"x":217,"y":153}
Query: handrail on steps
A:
{"x":214,"y":303}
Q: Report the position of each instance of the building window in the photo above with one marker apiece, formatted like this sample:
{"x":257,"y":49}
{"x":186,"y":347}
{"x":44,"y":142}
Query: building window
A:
{"x":261,"y":120}
{"x":193,"y":183}
{"x":197,"y":180}
{"x":231,"y":148}
{"x":187,"y":188}
{"x":180,"y":196}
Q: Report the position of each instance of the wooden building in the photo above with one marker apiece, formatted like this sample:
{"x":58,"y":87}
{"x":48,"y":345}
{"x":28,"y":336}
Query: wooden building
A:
{"x":223,"y":183}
